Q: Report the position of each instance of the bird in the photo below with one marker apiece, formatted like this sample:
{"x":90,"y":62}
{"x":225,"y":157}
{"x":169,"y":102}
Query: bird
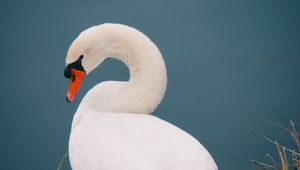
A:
{"x":113,"y":128}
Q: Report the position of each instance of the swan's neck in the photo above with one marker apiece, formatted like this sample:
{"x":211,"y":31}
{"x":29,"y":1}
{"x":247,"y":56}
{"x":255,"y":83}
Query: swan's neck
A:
{"x":147,"y":84}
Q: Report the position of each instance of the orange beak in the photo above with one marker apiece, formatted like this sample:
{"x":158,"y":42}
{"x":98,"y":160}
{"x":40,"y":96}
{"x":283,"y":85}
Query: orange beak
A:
{"x":76,"y":79}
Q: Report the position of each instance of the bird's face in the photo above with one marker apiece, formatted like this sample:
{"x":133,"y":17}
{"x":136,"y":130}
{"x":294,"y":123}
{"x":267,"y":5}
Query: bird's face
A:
{"x":76,"y":73}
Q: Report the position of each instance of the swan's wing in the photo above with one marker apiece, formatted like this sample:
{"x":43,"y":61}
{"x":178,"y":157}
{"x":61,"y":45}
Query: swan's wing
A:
{"x":115,"y":141}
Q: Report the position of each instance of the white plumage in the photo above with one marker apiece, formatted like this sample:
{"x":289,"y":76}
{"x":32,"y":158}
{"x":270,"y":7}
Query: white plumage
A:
{"x":112,"y":128}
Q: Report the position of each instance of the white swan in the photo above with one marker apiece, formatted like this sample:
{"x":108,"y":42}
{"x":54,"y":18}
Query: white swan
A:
{"x":112,"y":128}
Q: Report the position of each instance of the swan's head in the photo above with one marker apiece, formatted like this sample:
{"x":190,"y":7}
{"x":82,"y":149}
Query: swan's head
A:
{"x":84,"y":54}
{"x":148,"y":79}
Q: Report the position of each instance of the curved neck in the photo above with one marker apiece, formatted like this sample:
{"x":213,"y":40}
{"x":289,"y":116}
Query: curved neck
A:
{"x":147,"y":84}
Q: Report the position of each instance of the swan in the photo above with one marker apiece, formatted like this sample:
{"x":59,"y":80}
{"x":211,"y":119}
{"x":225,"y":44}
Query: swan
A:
{"x":112,"y":128}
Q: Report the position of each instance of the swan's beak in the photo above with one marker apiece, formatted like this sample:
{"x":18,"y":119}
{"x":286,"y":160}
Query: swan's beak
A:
{"x":76,"y":79}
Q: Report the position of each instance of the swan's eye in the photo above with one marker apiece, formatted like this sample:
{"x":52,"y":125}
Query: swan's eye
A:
{"x":67,"y":72}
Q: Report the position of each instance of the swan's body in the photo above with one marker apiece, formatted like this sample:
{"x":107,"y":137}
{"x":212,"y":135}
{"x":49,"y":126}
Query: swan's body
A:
{"x":112,"y":128}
